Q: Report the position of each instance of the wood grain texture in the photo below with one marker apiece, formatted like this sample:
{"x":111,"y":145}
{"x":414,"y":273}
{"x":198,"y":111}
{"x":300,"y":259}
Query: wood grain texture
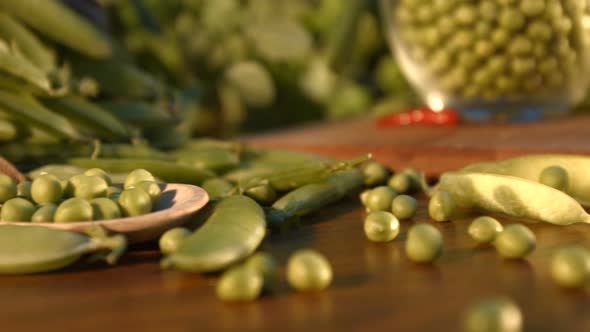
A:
{"x":430,"y":148}
{"x":375,"y":287}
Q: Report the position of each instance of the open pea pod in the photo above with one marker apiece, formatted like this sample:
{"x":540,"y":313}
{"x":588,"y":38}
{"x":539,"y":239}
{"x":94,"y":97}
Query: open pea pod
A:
{"x":34,"y":249}
{"x":513,"y":196}
{"x":530,"y":167}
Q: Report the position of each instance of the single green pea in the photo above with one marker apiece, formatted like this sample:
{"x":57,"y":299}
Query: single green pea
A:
{"x":482,"y":77}
{"x":562,"y":26}
{"x":73,"y":209}
{"x":404,"y":15}
{"x":444,"y":6}
{"x":239,"y":284}
{"x":455,"y":79}
{"x":497,"y":64}
{"x":404,"y":206}
{"x":137,"y":176}
{"x":522,"y":66}
{"x":515,"y":241}
{"x":263,"y":194}
{"x":380,"y":198}
{"x":570,"y":267}
{"x":554,"y":176}
{"x":553,"y":9}
{"x":562,"y":46}
{"x":539,"y":30}
{"x":135,"y":202}
{"x":548,"y":65}
{"x":430,"y":37}
{"x":483,"y":29}
{"x":100,"y":173}
{"x":415,"y":177}
{"x":468,"y":59}
{"x":445,"y":26}
{"x":441,"y":206}
{"x":375,"y":173}
{"x":8,"y":188}
{"x":520,"y":45}
{"x":500,"y":37}
{"x":87,"y":187}
{"x":425,"y":14}
{"x":381,"y":226}
{"x":495,"y":314}
{"x":363,"y":196}
{"x":113,"y":192}
{"x":511,"y":19}
{"x":400,"y":182}
{"x":484,"y":48}
{"x":308,"y":270}
{"x":104,"y":208}
{"x":540,"y":51}
{"x":465,"y":14}
{"x":424,"y":243}
{"x":487,"y":10}
{"x":23,"y":189}
{"x":17,"y":209}
{"x":46,"y":189}
{"x":463,"y":39}
{"x":44,"y":213}
{"x":218,"y":187}
{"x":150,"y":187}
{"x":267,"y":266}
{"x":484,"y":229}
{"x":170,"y":240}
{"x":505,"y":83}
{"x":532,"y":7}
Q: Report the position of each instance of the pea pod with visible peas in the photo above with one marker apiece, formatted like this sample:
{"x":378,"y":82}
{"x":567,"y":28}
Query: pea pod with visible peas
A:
{"x":513,"y":196}
{"x":231,"y":233}
{"x":34,"y":249}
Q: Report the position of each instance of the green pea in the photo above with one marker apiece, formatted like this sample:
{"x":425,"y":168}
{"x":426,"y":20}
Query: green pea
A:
{"x":87,"y":187}
{"x":468,"y":60}
{"x":17,"y":209}
{"x":441,"y":206}
{"x":487,"y":10}
{"x":554,"y":176}
{"x":540,"y":51}
{"x":46,"y":189}
{"x":511,"y":19}
{"x":483,"y":29}
{"x":23,"y":189}
{"x":533,"y":83}
{"x":424,"y":243}
{"x":532,"y":7}
{"x":150,"y":187}
{"x":430,"y":37}
{"x":570,"y":267}
{"x":465,"y":14}
{"x":496,"y":314}
{"x":539,"y":30}
{"x":463,"y":39}
{"x":363,"y":196}
{"x":400,"y":182}
{"x":425,"y":14}
{"x":404,"y":206}
{"x":308,"y":270}
{"x":444,"y":6}
{"x":239,"y":284}
{"x":520,"y":45}
{"x":484,"y":48}
{"x":522,"y":66}
{"x":73,"y":209}
{"x":375,"y":173}
{"x":553,"y":9}
{"x":263,"y":194}
{"x":380,"y":198}
{"x":548,"y":65}
{"x":218,"y":187}
{"x":500,"y":37}
{"x":497,"y":64}
{"x":100,"y":173}
{"x":113,"y":192}
{"x":482,"y":77}
{"x":484,"y":229}
{"x":7,"y":188}
{"x":404,"y":15}
{"x":267,"y":266}
{"x":445,"y":26}
{"x":515,"y":241}
{"x":562,"y":26}
{"x":137,"y":176}
{"x":170,"y":240}
{"x":104,"y":208}
{"x":44,"y":213}
{"x":135,"y":202}
{"x":381,"y":226}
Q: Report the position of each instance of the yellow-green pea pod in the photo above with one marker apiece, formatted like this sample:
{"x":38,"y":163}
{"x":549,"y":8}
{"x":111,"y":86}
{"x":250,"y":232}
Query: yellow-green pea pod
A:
{"x":263,"y":194}
{"x":215,"y":159}
{"x":35,"y":249}
{"x":9,"y":131}
{"x":141,"y":113}
{"x":55,"y":20}
{"x":170,"y":240}
{"x":60,"y":171}
{"x":233,"y":232}
{"x":513,"y":196}
{"x":44,"y":213}
{"x":218,"y":188}
{"x":14,"y":63}
{"x":166,"y":170}
{"x":531,"y":166}
{"x":104,"y":208}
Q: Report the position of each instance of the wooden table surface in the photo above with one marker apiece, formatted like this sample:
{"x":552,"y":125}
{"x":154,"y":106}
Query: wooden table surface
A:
{"x":375,"y":287}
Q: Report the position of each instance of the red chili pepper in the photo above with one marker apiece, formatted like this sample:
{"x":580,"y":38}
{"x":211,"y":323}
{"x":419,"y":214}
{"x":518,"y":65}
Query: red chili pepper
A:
{"x":421,"y":115}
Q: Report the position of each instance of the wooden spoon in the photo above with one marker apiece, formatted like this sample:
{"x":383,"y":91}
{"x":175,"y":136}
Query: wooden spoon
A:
{"x":9,"y":169}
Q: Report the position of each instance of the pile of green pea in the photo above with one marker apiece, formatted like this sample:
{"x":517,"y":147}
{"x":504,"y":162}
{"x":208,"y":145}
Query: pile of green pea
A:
{"x":495,"y":48}
{"x":83,"y":197}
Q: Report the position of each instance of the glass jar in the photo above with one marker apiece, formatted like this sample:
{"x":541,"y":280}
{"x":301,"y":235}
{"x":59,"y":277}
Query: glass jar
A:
{"x":493,"y":60}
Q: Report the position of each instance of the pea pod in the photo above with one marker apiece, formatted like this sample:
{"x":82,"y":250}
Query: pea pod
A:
{"x":60,"y":23}
{"x":34,"y":249}
{"x":166,"y":170}
{"x":513,"y":196}
{"x":233,"y":232}
{"x":312,"y":197}
{"x":12,"y":62}
{"x":141,"y":113}
{"x":530,"y":167}
{"x":26,"y":108}
{"x":215,"y":159}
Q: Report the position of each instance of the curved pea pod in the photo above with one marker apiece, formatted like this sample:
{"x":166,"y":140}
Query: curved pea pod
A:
{"x":55,"y":20}
{"x":513,"y":196}
{"x":12,"y":62}
{"x":530,"y":167}
{"x":215,"y":159}
{"x":141,"y":114}
{"x":166,"y":170}
{"x":312,"y":197}
{"x":231,"y":233}
{"x":34,"y":249}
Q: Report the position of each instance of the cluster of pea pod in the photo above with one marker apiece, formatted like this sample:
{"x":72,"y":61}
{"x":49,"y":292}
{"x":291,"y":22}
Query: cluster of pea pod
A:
{"x":62,"y":80}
